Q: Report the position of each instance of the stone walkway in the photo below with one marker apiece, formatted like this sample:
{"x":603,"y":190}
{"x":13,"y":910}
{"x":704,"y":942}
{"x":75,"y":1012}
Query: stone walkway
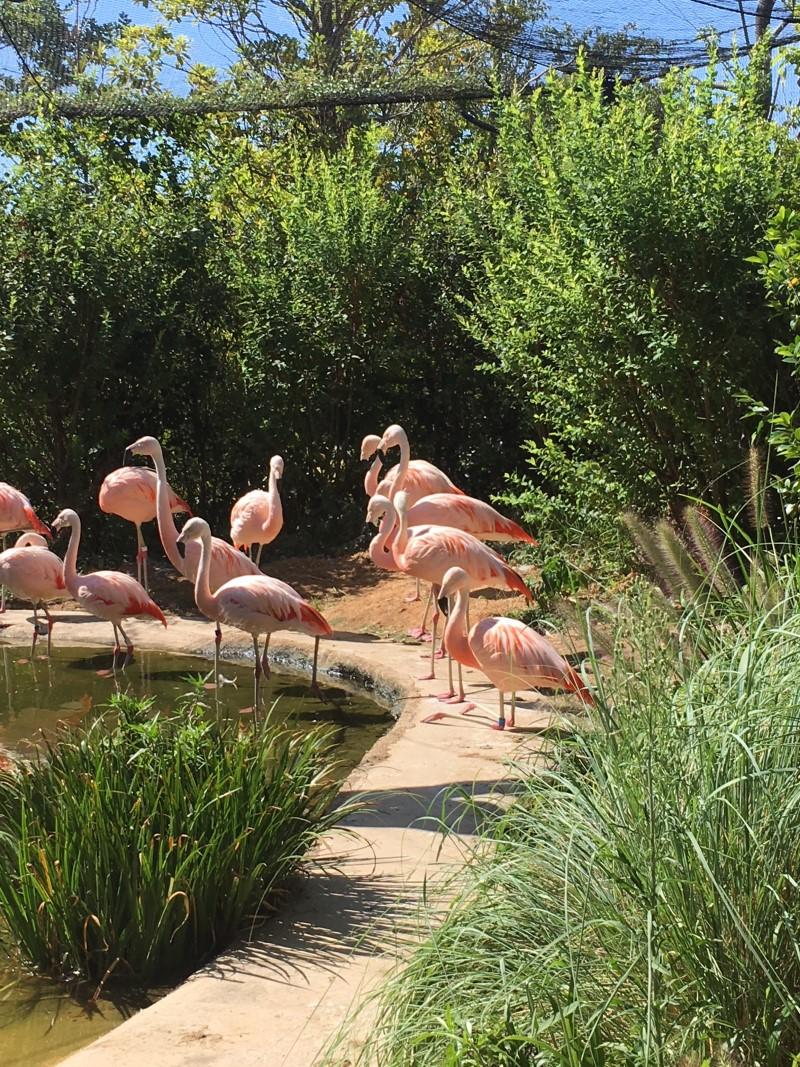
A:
{"x":277,"y":1001}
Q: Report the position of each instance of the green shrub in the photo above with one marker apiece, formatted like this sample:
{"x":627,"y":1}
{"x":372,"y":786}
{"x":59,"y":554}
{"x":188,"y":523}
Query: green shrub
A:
{"x":139,"y":844}
{"x":639,"y":902}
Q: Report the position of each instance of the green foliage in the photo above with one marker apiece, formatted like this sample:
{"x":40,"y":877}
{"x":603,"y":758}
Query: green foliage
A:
{"x":638,"y":902}
{"x":140,"y":844}
{"x":605,"y":267}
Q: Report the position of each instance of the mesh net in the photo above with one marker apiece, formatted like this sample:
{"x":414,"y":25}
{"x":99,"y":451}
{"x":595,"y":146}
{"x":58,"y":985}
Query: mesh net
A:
{"x":60,"y":56}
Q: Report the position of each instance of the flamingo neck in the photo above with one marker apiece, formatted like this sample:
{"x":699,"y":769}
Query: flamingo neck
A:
{"x":402,"y":467}
{"x":456,"y":639}
{"x":203,"y":596}
{"x":167,"y":530}
{"x":70,"y":568}
{"x":275,"y":504}
{"x":401,"y":539}
{"x":372,"y":475}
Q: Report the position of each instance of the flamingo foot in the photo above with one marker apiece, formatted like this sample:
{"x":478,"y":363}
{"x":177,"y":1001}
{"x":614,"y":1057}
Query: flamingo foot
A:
{"x":427,"y":677}
{"x":21,"y":662}
{"x":210,"y":685}
{"x":105,"y":673}
{"x":315,"y":690}
{"x":461,"y":700}
{"x":440,"y":654}
{"x":434,"y":717}
{"x":43,"y":658}
{"x":445,"y":698}
{"x":499,"y":725}
{"x":419,"y":633}
{"x":247,"y":711}
{"x":412,"y":598}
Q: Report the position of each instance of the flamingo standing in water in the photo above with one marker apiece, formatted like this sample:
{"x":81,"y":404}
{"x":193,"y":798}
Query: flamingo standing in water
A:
{"x":428,"y":551}
{"x":226,"y":561}
{"x":130,"y":493}
{"x":254,"y":603}
{"x":16,"y":513}
{"x":110,"y":595}
{"x":33,"y":573}
{"x":257,"y":517}
{"x":511,"y":655}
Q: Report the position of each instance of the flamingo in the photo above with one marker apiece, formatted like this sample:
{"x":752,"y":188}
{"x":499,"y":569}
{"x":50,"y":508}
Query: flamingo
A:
{"x":130,"y":493}
{"x":16,"y":513}
{"x":253,"y":603}
{"x":110,"y":595}
{"x":417,"y":477}
{"x":463,"y":513}
{"x":510,"y":654}
{"x":226,"y":561}
{"x":428,"y":551}
{"x":33,"y":573}
{"x":369,"y":447}
{"x":257,"y":517}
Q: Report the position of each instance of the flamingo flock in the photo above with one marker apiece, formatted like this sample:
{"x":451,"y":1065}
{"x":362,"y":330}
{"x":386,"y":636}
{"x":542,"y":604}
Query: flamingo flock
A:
{"x":428,"y":528}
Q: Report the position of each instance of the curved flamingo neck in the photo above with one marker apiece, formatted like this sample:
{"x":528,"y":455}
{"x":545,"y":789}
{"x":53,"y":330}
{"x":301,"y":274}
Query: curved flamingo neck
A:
{"x":167,"y":530}
{"x":203,"y":596}
{"x":70,"y":568}
{"x":275,"y":503}
{"x":456,"y":638}
{"x":401,"y":540}
{"x":371,"y":477}
{"x":402,"y":467}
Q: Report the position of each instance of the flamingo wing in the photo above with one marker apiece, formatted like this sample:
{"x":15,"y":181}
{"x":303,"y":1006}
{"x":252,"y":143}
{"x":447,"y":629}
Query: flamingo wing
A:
{"x":515,"y":657}
{"x":468,"y":514}
{"x":16,"y":512}
{"x":260,"y":604}
{"x":248,"y":517}
{"x":113,"y":595}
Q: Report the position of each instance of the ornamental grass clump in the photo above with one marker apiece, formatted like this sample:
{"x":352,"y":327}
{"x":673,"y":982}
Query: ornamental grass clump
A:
{"x":640,"y":901}
{"x":139,"y":844}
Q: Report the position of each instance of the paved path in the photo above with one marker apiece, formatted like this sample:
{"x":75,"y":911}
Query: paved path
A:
{"x":278,"y":1000}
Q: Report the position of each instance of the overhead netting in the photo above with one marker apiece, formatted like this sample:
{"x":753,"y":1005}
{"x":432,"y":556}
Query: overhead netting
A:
{"x":62,"y":56}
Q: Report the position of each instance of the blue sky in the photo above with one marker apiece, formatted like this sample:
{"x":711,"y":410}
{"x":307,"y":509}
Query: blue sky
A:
{"x":671,"y":19}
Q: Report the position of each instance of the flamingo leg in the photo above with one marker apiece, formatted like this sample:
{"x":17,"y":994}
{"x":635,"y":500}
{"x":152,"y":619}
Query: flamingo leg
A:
{"x":50,"y":625}
{"x":432,"y":675}
{"x":217,"y":643}
{"x":128,"y":647}
{"x":501,"y":722}
{"x":315,"y":689}
{"x":412,"y":599}
{"x":444,"y":697}
{"x":35,"y":629}
{"x":141,"y":558}
{"x":420,"y":631}
{"x":258,"y":556}
{"x":3,"y":588}
{"x":264,"y":657}
{"x":256,"y":679}
{"x":117,"y":649}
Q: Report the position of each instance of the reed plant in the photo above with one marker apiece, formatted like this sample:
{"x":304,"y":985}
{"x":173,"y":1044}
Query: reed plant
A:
{"x":640,"y":901}
{"x":141,"y":843}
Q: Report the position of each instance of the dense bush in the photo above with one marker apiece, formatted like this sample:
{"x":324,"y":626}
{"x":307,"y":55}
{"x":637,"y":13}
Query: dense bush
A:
{"x":639,"y":901}
{"x":608,"y":278}
{"x":140,"y":844}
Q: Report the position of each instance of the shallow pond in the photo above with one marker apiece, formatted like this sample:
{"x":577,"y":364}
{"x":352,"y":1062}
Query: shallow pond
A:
{"x":39,"y":1024}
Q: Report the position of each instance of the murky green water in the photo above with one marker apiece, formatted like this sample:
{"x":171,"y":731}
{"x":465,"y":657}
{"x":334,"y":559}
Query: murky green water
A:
{"x":39,"y":1023}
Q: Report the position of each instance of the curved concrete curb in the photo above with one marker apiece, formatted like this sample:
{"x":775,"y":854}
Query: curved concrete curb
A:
{"x":278,"y":1000}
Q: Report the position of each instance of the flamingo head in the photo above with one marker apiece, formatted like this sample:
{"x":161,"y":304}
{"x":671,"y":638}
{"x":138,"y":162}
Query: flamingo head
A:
{"x":195,"y":530}
{"x":65,"y":518}
{"x":454,"y":580}
{"x":30,"y":540}
{"x":145,"y":446}
{"x":393,"y":437}
{"x":370,"y":445}
{"x":377,"y":508}
{"x":276,"y":466}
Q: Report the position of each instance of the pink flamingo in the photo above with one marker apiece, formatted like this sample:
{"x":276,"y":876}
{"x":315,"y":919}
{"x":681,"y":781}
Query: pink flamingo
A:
{"x":110,"y":595}
{"x":257,"y":517}
{"x":369,"y":447}
{"x":511,"y":655}
{"x":253,"y":603}
{"x":463,"y":513}
{"x":16,"y":513}
{"x":417,"y":478}
{"x":130,"y":493}
{"x":428,"y":551}
{"x":226,"y":561}
{"x":33,"y":573}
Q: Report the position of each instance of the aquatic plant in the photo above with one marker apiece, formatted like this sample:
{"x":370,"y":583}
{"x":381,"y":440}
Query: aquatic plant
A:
{"x":140,"y":843}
